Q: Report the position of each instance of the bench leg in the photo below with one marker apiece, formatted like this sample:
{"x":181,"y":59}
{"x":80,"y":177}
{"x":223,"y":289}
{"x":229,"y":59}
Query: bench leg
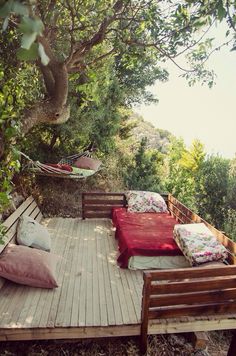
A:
{"x":232,"y":347}
{"x":143,"y":339}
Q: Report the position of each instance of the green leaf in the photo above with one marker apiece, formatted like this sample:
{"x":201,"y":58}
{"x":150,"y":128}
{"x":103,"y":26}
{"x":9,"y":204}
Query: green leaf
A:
{"x":221,"y":12}
{"x":6,"y":9}
{"x":42,"y":55}
{"x":28,"y":54}
{"x":29,"y":25}
{"x":20,"y":9}
{"x":28,"y":39}
{"x":5,"y":24}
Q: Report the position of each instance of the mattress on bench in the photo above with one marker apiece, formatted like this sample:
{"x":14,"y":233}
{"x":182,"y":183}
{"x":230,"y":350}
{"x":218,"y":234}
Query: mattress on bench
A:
{"x":145,"y":234}
{"x":198,"y":243}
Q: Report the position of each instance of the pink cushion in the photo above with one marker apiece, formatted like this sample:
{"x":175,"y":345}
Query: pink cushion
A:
{"x":63,"y":167}
{"x":25,"y":265}
{"x":88,"y":163}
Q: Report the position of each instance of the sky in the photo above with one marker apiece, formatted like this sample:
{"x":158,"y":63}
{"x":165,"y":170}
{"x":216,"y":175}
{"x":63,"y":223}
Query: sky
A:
{"x":199,"y":112}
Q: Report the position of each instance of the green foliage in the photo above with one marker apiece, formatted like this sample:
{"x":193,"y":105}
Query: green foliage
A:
{"x":2,"y":233}
{"x":183,"y":170}
{"x":29,"y":25}
{"x":18,"y":86}
{"x":212,"y":190}
{"x":144,"y":172}
{"x":229,"y":225}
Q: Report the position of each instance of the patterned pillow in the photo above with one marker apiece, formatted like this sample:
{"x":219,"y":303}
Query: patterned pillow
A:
{"x":145,"y":202}
{"x":198,"y":243}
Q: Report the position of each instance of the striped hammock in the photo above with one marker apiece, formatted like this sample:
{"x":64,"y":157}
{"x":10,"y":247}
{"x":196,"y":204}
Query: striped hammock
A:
{"x":47,"y":170}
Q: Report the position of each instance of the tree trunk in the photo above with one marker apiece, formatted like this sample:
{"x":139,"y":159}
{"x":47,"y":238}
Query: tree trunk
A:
{"x":45,"y":112}
{"x":54,"y":109}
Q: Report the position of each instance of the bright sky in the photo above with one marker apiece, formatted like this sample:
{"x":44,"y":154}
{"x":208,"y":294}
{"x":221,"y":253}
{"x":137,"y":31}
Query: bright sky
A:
{"x":199,"y":112}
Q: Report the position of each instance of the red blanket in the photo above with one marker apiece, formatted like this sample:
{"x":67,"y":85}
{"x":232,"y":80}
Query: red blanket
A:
{"x":144,"y":234}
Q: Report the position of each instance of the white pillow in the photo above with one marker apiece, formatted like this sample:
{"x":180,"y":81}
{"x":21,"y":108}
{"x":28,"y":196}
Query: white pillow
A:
{"x":31,"y":233}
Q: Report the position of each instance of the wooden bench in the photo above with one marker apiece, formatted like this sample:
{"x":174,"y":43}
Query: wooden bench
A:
{"x":178,"y":296}
{"x":30,"y":208}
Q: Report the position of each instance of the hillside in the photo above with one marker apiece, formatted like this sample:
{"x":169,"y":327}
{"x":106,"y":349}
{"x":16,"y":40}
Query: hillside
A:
{"x":156,"y":138}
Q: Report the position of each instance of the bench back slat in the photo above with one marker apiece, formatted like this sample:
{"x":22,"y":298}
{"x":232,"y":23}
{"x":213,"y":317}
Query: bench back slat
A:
{"x":203,"y":285}
{"x":197,"y":272}
{"x":194,"y":310}
{"x":216,"y":295}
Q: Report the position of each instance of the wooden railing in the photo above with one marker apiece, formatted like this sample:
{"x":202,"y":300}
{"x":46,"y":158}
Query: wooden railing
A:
{"x":187,"y":292}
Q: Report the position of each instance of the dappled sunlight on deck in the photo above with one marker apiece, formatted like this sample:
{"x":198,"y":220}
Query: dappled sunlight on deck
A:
{"x":93,"y":290}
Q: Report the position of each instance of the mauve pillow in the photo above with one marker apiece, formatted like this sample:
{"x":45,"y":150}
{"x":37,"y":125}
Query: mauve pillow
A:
{"x":25,"y":265}
{"x":88,"y":163}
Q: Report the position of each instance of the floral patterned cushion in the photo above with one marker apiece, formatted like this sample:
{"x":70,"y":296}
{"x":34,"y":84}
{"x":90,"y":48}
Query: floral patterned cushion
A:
{"x":198,"y":244}
{"x":145,"y":202}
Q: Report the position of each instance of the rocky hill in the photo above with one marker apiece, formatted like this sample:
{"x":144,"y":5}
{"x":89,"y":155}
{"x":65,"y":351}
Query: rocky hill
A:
{"x":156,"y":138}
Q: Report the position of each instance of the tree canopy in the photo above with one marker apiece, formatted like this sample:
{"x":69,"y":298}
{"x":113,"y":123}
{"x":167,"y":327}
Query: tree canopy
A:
{"x":74,"y":38}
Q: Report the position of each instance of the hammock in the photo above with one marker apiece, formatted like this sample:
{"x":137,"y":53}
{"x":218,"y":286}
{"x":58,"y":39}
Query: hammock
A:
{"x":50,"y":170}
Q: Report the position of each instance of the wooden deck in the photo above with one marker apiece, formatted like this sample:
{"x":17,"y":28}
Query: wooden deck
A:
{"x":93,"y":292}
{"x":95,"y":297}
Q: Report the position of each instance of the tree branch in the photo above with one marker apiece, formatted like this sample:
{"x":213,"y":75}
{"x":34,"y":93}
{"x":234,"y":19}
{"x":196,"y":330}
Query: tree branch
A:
{"x":84,"y":47}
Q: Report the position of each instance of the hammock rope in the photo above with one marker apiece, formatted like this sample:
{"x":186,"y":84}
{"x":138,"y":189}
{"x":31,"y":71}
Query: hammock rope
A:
{"x":44,"y":169}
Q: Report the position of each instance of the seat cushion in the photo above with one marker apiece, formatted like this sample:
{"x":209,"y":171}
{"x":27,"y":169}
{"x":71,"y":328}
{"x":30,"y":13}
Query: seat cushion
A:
{"x":198,"y":244}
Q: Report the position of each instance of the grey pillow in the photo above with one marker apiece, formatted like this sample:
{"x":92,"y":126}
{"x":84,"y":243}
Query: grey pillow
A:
{"x":31,"y":233}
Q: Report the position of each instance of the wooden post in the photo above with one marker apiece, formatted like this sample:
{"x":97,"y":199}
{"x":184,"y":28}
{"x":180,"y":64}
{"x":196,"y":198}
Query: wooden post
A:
{"x":199,"y":340}
{"x":232,"y":347}
{"x":145,"y":310}
{"x":83,"y":215}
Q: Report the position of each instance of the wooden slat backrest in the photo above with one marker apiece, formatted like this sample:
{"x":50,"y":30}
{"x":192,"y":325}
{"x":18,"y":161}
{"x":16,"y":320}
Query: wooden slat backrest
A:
{"x":99,"y":205}
{"x":28,"y":207}
{"x":187,"y":292}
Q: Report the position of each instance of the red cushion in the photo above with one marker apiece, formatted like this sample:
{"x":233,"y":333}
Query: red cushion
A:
{"x":64,"y":167}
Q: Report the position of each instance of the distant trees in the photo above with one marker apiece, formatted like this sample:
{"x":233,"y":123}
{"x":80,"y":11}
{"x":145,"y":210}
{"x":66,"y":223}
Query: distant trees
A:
{"x":145,"y":170}
{"x":212,"y":190}
{"x":206,"y":184}
{"x":183,"y":170}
